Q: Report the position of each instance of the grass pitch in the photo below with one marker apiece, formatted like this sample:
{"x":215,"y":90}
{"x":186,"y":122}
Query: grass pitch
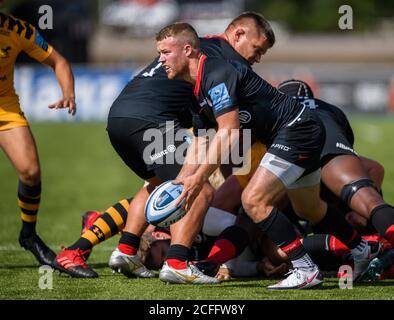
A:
{"x":81,"y":172}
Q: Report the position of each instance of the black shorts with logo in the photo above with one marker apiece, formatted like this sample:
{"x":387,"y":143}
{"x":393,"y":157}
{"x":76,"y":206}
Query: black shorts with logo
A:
{"x":149,"y":149}
{"x":301,"y":142}
{"x":339,"y":135}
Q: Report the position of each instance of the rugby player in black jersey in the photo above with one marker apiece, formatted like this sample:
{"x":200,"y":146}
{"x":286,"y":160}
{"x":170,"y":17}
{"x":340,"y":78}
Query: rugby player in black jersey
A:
{"x":295,"y":137}
{"x":148,"y":102}
{"x":343,"y":172}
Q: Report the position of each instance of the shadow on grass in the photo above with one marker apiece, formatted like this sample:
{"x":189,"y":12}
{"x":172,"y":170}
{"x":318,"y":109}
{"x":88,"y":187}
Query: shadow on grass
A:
{"x":23,"y":266}
{"x":386,"y":283}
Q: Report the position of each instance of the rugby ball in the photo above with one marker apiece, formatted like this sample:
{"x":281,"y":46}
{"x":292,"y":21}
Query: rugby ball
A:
{"x":160,"y":209}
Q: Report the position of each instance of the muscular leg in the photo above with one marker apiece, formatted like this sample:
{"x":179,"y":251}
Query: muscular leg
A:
{"x":19,"y":146}
{"x":136,"y":222}
{"x":366,"y":201}
{"x":374,"y":169}
{"x":307,"y":204}
{"x":345,"y":169}
{"x":258,"y":199}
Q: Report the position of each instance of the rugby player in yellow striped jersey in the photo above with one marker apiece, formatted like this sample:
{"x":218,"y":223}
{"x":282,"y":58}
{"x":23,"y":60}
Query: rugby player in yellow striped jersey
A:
{"x":16,"y":139}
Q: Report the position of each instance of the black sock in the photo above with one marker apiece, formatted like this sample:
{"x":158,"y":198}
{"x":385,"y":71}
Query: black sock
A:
{"x":29,"y":201}
{"x":335,"y":223}
{"x":237,"y":236}
{"x":280,"y":230}
{"x":110,"y":223}
{"x":178,"y":252}
{"x":382,"y":218}
{"x":318,"y":248}
{"x":130,"y":239}
{"x":82,"y":243}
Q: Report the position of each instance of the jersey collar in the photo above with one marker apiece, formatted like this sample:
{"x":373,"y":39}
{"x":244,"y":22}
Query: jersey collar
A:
{"x":216,"y":36}
{"x":199,"y":74}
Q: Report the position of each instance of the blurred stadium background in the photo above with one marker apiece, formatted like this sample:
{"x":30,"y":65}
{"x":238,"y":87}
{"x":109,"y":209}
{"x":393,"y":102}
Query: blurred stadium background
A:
{"x":107,"y":42}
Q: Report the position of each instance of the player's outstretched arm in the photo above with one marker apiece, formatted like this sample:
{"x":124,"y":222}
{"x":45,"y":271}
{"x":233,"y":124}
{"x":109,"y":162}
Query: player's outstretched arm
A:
{"x":65,"y":78}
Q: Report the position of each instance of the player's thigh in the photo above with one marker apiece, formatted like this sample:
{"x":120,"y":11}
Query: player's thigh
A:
{"x":126,"y":136}
{"x":19,"y":146}
{"x":375,"y":170}
{"x":228,"y":196}
{"x":341,"y":170}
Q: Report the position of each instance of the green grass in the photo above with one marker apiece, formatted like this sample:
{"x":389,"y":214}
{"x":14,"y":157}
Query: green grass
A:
{"x":81,"y":172}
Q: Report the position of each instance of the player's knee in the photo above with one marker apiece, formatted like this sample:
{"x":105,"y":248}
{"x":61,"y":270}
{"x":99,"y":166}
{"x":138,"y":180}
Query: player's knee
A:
{"x":350,"y":189}
{"x":378,"y":171}
{"x":30,"y":175}
{"x":255,"y":206}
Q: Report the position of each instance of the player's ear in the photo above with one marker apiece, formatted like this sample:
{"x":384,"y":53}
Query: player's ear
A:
{"x":188,"y":49}
{"x":239,"y":32}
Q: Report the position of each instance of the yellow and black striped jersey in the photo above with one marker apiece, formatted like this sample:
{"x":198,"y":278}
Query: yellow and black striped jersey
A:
{"x":15,"y":36}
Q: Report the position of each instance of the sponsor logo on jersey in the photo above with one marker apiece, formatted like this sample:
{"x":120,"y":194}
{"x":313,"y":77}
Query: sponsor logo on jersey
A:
{"x":281,"y":147}
{"x":342,"y":146}
{"x":244,"y":116}
{"x":170,"y":148}
{"x":220,"y":97}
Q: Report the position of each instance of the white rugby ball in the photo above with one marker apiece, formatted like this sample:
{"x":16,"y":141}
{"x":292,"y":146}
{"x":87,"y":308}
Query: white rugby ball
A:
{"x":160,"y":209}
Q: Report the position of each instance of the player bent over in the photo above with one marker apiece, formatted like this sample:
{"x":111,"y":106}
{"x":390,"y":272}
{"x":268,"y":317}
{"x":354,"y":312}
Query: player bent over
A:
{"x":148,"y":102}
{"x":295,"y":137}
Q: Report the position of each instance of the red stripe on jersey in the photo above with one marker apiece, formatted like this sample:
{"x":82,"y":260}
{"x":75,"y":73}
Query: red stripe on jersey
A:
{"x":199,"y":74}
{"x":216,"y":36}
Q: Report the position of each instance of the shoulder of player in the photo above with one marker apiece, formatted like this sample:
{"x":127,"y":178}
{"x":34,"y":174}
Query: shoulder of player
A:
{"x":17,"y":27}
{"x":218,"y":65}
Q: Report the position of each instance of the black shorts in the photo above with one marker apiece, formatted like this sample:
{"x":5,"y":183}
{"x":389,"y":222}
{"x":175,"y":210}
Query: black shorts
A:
{"x":338,"y":142}
{"x":301,"y":143}
{"x":149,"y":149}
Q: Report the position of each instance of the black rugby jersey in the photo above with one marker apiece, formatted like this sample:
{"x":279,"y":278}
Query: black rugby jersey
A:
{"x":331,"y":116}
{"x":152,"y":97}
{"x":217,"y":46}
{"x":223,"y":86}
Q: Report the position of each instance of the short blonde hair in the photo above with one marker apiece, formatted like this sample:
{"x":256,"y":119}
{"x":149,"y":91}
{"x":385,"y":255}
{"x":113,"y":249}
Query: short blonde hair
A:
{"x":180,"y":29}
